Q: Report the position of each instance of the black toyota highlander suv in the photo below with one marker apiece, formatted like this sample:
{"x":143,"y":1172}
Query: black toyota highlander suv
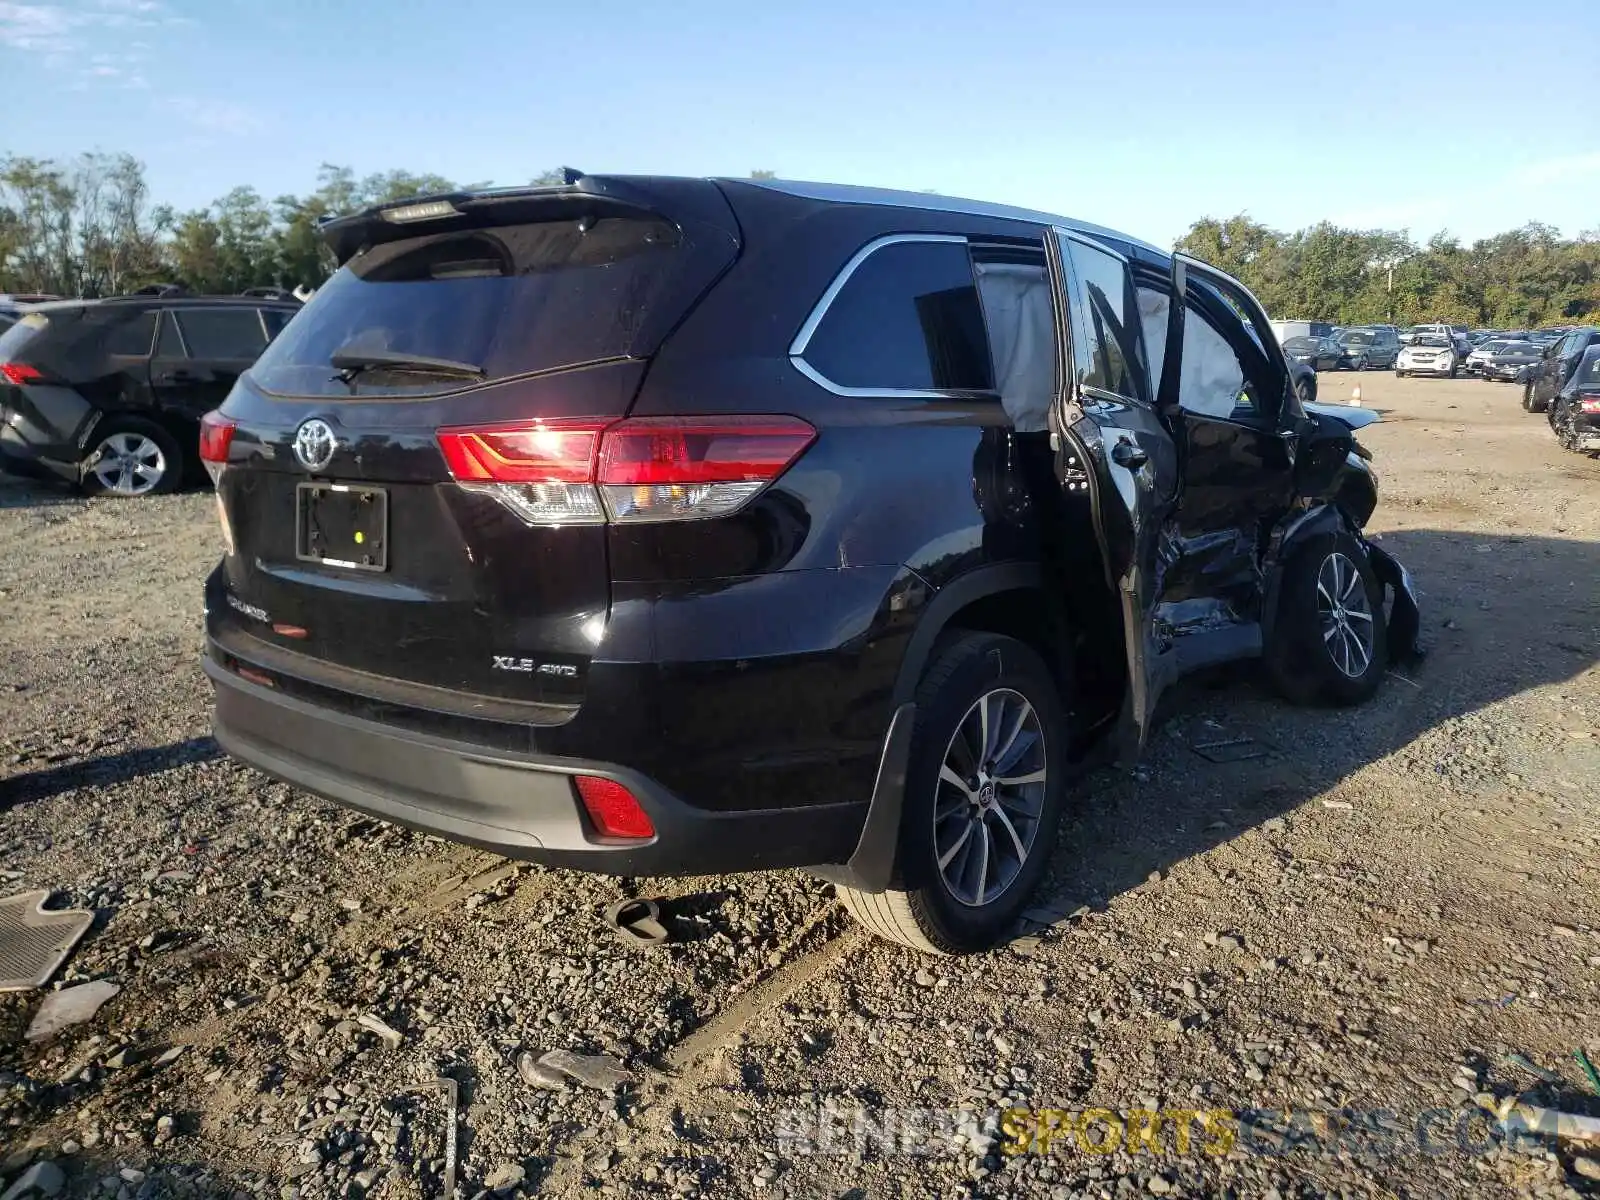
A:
{"x":666,"y":526}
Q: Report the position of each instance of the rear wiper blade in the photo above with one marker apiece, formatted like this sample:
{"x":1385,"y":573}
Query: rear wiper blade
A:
{"x":350,"y":363}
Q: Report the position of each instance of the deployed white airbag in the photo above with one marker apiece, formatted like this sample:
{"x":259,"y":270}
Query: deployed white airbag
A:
{"x":1022,"y":335}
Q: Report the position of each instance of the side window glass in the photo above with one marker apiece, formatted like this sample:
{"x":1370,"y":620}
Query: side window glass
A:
{"x":274,"y":319}
{"x":1106,"y":338}
{"x":907,"y":319}
{"x":132,"y":338}
{"x":223,"y":333}
{"x":170,"y":344}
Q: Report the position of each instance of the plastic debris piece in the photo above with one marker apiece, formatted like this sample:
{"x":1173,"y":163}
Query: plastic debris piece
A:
{"x":1569,"y":1126}
{"x":599,"y":1071}
{"x":1588,"y":1069}
{"x":35,"y":941}
{"x":637,"y":922}
{"x":534,"y":1074}
{"x":390,"y":1036}
{"x":1517,"y":1060}
{"x":452,"y":1099}
{"x":69,"y":1006}
{"x":41,"y":1179}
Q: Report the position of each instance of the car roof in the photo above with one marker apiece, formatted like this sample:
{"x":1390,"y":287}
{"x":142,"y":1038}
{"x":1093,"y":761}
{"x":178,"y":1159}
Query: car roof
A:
{"x":845,"y":193}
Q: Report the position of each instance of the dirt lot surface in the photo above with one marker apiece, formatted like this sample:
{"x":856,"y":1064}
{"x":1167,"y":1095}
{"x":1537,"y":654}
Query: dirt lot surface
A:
{"x":1371,"y":911}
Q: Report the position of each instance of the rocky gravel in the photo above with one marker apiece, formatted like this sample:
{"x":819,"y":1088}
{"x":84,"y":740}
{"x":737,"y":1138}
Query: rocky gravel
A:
{"x":1395,"y":907}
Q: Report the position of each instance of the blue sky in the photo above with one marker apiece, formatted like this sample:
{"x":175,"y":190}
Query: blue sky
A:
{"x":1463,"y":115}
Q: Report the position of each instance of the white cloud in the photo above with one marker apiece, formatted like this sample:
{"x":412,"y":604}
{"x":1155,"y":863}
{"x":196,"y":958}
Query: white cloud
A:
{"x":217,"y":116}
{"x":36,"y":27}
{"x":1557,"y":170}
{"x":61,"y":30}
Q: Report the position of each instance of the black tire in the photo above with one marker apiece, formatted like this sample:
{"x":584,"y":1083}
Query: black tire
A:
{"x":1302,"y":661}
{"x":1306,"y":389}
{"x":1531,"y":403}
{"x":922,"y":912}
{"x":1399,"y":374}
{"x":1452,"y":370}
{"x":168,"y":463}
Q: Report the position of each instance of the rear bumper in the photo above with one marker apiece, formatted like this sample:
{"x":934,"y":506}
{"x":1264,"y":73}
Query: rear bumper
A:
{"x":519,"y":805}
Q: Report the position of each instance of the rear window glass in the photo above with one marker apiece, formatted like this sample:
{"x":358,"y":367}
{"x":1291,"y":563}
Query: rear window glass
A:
{"x":907,"y":319}
{"x":1356,"y":339}
{"x":1106,"y":329}
{"x":228,"y":333}
{"x":510,"y":299}
{"x":275,"y":319}
{"x":1303,"y":343}
{"x":131,"y":339}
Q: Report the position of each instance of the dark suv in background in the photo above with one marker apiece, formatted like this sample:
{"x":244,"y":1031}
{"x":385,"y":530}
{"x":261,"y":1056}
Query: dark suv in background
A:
{"x":109,"y":393}
{"x":1546,"y":378}
{"x":667,"y":526}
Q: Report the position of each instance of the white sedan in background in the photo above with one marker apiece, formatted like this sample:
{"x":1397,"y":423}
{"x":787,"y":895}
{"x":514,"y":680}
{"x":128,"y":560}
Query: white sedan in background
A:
{"x":1429,"y":354}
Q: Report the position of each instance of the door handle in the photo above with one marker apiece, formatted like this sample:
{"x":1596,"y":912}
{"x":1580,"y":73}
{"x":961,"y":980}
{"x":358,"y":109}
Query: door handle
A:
{"x":1127,"y":454}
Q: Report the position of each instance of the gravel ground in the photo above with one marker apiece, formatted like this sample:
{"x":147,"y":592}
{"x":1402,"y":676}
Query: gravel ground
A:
{"x":1371,"y":911}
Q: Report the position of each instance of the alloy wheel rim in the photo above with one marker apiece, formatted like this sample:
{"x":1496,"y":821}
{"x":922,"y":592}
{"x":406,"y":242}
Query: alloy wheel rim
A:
{"x":989,"y":798}
{"x":1345,"y":613}
{"x":129,"y":464}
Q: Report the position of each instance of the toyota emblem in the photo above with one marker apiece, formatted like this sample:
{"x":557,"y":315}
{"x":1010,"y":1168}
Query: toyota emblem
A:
{"x":314,"y":444}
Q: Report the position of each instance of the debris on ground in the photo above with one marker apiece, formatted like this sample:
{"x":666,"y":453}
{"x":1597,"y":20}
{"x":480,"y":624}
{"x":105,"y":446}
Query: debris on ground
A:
{"x":452,"y":1118}
{"x":42,"y":1179}
{"x":69,"y":1006}
{"x":1552,"y":1122}
{"x":637,"y":922}
{"x":1588,"y":1069}
{"x":35,"y":940}
{"x":1522,"y":1062}
{"x":388,"y":1034}
{"x":602,"y":1072}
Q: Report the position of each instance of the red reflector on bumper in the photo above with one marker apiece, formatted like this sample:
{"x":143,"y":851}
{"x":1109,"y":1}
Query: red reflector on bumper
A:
{"x":612,"y":808}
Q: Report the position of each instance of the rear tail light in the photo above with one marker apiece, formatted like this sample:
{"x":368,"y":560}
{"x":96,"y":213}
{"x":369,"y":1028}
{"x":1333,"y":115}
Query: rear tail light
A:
{"x":216,"y":436}
{"x":639,"y":469}
{"x":612,"y":808}
{"x":1590,"y":404}
{"x":19,"y":374}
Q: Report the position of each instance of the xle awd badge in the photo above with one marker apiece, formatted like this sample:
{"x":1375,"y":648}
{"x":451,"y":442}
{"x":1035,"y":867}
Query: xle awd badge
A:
{"x":314,"y":444}
{"x":508,"y":662}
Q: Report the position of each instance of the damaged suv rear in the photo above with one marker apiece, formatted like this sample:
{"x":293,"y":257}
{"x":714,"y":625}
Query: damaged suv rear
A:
{"x":664,"y":526}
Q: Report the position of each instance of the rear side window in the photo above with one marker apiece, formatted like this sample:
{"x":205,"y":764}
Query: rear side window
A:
{"x":510,"y":299}
{"x":222,"y":333}
{"x":274,"y":319}
{"x":132,"y":338}
{"x":1106,"y":337}
{"x":171,"y":343}
{"x":907,"y":319}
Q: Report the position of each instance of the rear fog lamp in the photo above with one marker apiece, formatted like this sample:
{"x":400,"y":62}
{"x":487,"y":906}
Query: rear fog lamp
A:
{"x":613,"y":809}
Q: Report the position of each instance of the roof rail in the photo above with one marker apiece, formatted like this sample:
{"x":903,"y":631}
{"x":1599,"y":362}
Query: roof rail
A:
{"x":269,"y":293}
{"x":153,"y":289}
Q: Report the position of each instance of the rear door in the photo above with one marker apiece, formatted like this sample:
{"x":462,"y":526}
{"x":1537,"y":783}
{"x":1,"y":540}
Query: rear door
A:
{"x":218,"y":344}
{"x":1112,"y":443}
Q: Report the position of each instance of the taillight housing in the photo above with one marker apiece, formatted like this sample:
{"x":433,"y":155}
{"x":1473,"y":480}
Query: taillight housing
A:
{"x":613,"y":809}
{"x":563,"y":472}
{"x":216,"y":437}
{"x":1589,"y":404}
{"x":20,"y":374}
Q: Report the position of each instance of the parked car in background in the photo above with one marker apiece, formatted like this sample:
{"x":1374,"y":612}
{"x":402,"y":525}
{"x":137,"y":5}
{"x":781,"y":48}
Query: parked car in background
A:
{"x":1510,"y":361}
{"x":1284,"y":330}
{"x":1575,"y":414}
{"x":1303,"y":378}
{"x":1555,"y":367}
{"x":557,"y":580}
{"x":1361,"y":349}
{"x":1319,"y":353}
{"x":1428,"y":354}
{"x":1479,"y":354}
{"x":108,"y":394}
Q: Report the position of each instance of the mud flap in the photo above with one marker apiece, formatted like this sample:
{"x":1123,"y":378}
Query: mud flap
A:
{"x":1405,"y":617}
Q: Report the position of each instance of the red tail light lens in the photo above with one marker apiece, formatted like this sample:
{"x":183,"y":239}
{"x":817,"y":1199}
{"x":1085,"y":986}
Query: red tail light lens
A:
{"x":19,"y":374}
{"x":216,"y":436}
{"x":612,"y":808}
{"x":1590,"y":404}
{"x":643,"y":468}
{"x":527,"y":452}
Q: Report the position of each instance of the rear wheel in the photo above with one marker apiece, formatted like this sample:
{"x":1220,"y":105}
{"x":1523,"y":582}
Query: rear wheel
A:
{"x":1306,"y":389}
{"x":1330,"y":640}
{"x":130,"y":458}
{"x":983,"y":799}
{"x":1399,"y":374}
{"x":1529,"y":402}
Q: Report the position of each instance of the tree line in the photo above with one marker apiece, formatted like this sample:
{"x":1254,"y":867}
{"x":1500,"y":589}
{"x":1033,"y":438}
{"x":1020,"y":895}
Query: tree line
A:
{"x":89,"y":227}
